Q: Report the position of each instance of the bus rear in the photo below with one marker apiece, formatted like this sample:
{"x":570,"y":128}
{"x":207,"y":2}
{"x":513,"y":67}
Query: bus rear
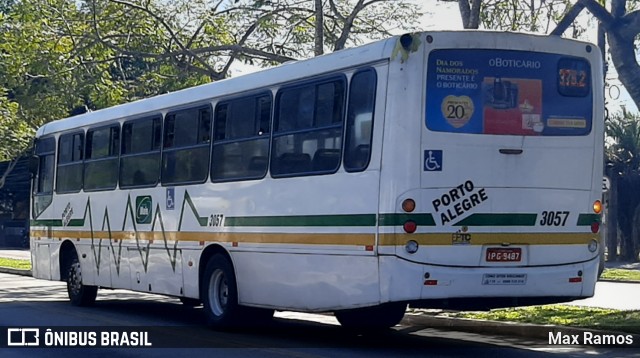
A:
{"x":504,"y":175}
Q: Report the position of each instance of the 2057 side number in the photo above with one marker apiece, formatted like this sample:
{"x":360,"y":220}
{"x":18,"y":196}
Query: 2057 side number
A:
{"x":554,"y":218}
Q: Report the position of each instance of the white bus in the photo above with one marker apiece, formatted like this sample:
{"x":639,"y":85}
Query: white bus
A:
{"x":439,"y":169}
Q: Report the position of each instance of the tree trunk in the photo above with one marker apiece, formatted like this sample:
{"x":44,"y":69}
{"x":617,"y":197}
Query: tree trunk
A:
{"x":465,"y":12}
{"x":612,"y":221}
{"x":8,"y":170}
{"x":319,"y":35}
{"x":623,"y":57}
{"x":635,"y":235}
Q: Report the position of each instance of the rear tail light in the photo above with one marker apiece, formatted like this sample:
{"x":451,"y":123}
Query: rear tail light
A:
{"x":408,"y":205}
{"x":597,"y":207}
{"x":595,"y":227}
{"x":410,"y":227}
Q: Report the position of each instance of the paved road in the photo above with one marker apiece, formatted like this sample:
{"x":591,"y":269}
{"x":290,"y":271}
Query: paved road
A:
{"x":19,"y":254}
{"x":29,"y":302}
{"x":614,"y":295}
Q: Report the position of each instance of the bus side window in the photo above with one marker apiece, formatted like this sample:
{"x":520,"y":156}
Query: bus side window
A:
{"x":70,"y":166}
{"x":241,"y":138}
{"x":362,"y":94}
{"x":308,"y":129}
{"x":140,"y":158}
{"x":185,"y":155}
{"x":101,"y":158}
{"x":45,"y":149}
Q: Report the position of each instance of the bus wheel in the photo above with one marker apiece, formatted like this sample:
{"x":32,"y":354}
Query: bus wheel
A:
{"x":219,"y":293}
{"x":79,"y":294}
{"x":374,"y":318}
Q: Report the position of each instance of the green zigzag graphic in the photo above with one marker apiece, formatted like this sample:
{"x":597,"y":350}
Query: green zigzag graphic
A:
{"x":172,"y":252}
{"x":143,"y":256}
{"x":202,"y":220}
{"x":172,"y":258}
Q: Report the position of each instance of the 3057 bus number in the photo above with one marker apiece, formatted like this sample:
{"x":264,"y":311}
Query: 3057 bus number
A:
{"x":554,"y":218}
{"x":216,"y":220}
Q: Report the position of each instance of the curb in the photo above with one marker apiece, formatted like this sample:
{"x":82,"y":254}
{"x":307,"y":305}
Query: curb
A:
{"x":617,"y":281}
{"x":13,"y":271}
{"x":527,"y":330}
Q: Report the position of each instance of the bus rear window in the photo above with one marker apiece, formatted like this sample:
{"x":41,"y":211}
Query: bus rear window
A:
{"x":506,"y":92}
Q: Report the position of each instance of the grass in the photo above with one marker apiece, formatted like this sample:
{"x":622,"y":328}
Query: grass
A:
{"x":621,"y":275}
{"x":562,"y":315}
{"x":15,"y":264}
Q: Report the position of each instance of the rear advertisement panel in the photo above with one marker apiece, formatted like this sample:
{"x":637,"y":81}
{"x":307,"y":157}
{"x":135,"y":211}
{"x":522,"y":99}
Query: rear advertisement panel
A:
{"x":508,"y":92}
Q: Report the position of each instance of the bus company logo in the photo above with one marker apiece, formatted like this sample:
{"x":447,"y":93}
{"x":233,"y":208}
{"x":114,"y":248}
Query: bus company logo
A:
{"x":461,"y":237}
{"x":143,"y":209}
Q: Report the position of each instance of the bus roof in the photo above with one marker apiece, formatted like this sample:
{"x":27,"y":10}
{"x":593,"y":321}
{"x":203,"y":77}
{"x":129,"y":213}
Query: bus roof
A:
{"x":228,"y":87}
{"x":376,"y":51}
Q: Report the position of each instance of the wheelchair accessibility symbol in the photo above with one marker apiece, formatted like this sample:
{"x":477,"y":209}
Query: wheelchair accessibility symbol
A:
{"x":171,"y":195}
{"x":432,"y":160}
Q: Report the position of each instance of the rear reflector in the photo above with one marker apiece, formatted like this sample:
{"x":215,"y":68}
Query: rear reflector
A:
{"x":575,"y":279}
{"x":431,"y":282}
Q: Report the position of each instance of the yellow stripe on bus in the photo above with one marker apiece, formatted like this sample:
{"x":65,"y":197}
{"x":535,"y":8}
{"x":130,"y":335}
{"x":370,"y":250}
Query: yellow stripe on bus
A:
{"x":256,"y":238}
{"x":491,"y":238}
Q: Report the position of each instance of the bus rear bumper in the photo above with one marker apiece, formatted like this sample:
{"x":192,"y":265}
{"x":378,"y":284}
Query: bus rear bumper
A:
{"x":434,"y":286}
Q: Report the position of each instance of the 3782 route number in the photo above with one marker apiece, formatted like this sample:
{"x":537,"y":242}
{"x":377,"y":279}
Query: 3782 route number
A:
{"x":554,"y":218}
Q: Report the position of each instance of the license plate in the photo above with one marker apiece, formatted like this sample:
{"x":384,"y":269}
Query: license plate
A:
{"x":504,"y":254}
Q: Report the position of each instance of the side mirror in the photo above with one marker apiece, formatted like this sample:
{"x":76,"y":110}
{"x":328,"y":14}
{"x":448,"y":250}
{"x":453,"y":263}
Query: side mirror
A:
{"x":34,"y":163}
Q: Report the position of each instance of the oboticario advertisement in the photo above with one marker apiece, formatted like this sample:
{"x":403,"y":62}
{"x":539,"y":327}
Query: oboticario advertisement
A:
{"x":507,"y":92}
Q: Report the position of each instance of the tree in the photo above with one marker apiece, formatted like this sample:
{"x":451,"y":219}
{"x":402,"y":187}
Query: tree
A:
{"x":209,"y":37}
{"x":623,"y":168}
{"x":63,"y":57}
{"x":621,"y":24}
{"x":514,"y":15}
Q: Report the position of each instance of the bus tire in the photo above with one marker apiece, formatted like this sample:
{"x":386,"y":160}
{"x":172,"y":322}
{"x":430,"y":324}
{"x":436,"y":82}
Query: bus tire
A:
{"x":374,"y":318}
{"x":79,"y":293}
{"x":219,"y":293}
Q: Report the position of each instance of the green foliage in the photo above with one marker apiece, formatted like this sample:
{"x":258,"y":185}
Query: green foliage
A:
{"x":15,"y":264}
{"x":622,"y":157}
{"x":621,"y":275}
{"x":622,"y":147}
{"x":563,"y":315}
{"x":58,"y":57}
{"x":525,"y":15}
{"x":15,"y":135}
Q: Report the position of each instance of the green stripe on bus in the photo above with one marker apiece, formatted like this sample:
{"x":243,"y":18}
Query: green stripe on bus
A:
{"x":587,"y":219}
{"x":498,"y":220}
{"x":400,"y":219}
{"x":303,"y":220}
{"x":46,"y":222}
